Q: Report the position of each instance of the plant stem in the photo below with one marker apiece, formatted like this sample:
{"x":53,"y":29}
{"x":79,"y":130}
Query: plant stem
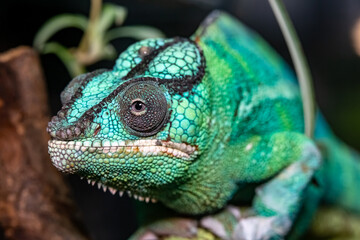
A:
{"x":95,"y":11}
{"x":56,"y":24}
{"x":300,"y":64}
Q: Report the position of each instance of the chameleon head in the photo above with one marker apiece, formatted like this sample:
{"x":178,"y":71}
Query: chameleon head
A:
{"x":139,"y":127}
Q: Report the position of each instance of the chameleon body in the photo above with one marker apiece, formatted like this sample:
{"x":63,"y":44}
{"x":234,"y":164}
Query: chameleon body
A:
{"x":195,"y":123}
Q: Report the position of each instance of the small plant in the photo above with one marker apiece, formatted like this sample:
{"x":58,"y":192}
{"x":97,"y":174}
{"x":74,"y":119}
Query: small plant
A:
{"x":95,"y":44}
{"x":300,"y":64}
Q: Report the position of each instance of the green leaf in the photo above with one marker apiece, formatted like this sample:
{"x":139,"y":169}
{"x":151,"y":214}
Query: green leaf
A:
{"x":73,"y":66}
{"x":56,"y":24}
{"x":109,"y":52}
{"x":111,"y":14}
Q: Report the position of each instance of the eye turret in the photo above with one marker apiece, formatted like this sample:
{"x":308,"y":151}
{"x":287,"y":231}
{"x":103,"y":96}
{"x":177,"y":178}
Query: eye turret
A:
{"x":143,"y":108}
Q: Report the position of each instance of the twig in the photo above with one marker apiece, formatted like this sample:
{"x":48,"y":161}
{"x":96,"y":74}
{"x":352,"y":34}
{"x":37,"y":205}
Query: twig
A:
{"x":95,"y":11}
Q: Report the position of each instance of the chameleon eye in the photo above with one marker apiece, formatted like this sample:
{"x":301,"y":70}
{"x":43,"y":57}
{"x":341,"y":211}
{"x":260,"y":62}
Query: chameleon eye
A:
{"x":143,"y":108}
{"x":138,"y":107}
{"x":144,"y":51}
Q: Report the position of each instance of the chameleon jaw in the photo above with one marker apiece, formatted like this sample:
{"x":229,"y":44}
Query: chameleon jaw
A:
{"x":59,"y":150}
{"x":80,"y":156}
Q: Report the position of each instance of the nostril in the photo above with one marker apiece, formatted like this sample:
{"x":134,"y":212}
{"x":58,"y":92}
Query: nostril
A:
{"x":97,"y":130}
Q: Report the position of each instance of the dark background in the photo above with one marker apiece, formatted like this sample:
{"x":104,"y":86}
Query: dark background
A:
{"x":324,"y":26}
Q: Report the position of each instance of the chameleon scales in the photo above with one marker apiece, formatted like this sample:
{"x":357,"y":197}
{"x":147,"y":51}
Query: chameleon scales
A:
{"x":199,"y":123}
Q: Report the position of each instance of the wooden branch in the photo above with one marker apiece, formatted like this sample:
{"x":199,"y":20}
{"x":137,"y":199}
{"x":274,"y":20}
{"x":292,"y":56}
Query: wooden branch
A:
{"x":34,"y":200}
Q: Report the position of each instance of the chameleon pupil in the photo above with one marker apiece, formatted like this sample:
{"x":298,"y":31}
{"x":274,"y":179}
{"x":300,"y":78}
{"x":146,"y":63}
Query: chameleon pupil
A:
{"x":138,"y":107}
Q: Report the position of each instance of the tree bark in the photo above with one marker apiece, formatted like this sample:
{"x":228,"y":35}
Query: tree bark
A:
{"x":34,"y":200}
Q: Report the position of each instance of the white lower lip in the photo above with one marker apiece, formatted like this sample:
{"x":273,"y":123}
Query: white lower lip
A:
{"x":146,"y":147}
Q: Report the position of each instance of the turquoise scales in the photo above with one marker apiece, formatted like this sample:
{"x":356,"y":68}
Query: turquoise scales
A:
{"x":194,"y":122}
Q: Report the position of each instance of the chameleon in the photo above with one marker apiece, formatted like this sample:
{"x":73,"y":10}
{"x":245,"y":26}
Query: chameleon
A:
{"x":201,"y":125}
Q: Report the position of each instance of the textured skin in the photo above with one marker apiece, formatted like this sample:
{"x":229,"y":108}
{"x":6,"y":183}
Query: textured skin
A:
{"x":196,"y":123}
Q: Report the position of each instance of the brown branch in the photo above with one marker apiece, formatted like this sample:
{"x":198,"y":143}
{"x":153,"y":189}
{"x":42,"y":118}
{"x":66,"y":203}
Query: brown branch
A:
{"x":34,"y":201}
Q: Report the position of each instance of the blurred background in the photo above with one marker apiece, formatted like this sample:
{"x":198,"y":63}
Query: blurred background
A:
{"x":329,"y":31}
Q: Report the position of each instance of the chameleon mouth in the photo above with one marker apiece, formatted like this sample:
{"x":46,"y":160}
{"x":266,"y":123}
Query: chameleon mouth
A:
{"x":72,"y":157}
{"x":64,"y":154}
{"x":147,"y":147}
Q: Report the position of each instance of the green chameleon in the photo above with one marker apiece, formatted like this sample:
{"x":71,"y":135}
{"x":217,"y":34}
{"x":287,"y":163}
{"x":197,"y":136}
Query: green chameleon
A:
{"x":203,"y":125}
